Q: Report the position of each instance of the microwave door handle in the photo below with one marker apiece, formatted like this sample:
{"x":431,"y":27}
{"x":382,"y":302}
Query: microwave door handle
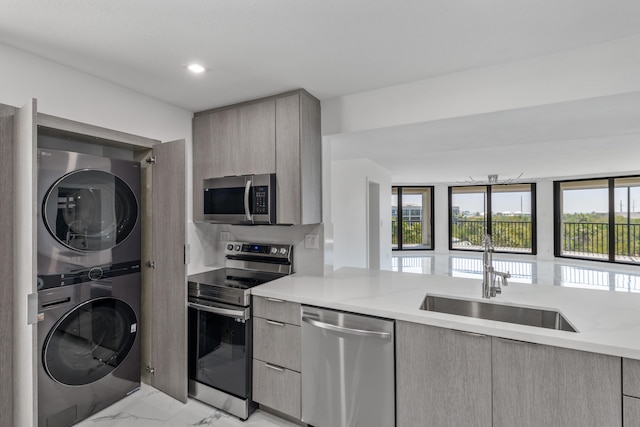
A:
{"x":247,"y":211}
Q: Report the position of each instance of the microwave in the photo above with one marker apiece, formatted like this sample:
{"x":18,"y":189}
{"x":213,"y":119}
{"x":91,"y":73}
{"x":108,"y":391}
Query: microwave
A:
{"x":243,"y":199}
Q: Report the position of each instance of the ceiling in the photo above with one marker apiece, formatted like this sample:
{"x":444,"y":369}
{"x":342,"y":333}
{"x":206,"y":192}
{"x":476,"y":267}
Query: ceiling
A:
{"x":255,"y":48}
{"x":597,"y":136}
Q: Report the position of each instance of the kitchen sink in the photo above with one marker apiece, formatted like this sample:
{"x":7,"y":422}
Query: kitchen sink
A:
{"x":537,"y":317}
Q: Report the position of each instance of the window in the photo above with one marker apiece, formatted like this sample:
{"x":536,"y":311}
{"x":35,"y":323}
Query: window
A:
{"x":598,"y":219}
{"x":413,"y":228}
{"x":506,"y":212}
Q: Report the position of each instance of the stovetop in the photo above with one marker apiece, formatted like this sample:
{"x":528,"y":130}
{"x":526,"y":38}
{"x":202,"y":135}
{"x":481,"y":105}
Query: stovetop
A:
{"x":234,"y":278}
{"x":259,"y":263}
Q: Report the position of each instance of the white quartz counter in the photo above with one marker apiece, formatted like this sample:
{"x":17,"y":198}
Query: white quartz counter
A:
{"x":607,"y":322}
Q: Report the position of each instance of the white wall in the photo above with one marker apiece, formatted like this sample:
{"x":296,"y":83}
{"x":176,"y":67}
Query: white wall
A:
{"x":349,"y":204}
{"x":598,"y":70}
{"x":64,"y":92}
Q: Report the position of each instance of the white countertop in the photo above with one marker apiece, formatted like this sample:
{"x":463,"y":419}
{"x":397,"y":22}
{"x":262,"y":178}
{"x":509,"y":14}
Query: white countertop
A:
{"x":607,"y":322}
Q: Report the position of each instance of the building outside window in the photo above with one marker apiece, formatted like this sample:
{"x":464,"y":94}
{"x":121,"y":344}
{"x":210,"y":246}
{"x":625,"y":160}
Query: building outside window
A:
{"x":506,"y":212}
{"x":598,"y":219}
{"x":411,"y":218}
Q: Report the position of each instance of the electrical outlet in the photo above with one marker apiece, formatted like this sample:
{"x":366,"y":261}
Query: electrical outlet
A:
{"x":311,"y":241}
{"x":224,"y":236}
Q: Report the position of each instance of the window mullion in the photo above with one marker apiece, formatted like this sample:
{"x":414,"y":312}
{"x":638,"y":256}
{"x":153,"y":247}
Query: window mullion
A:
{"x":400,"y":219}
{"x":487,"y":213}
{"x":612,"y":220}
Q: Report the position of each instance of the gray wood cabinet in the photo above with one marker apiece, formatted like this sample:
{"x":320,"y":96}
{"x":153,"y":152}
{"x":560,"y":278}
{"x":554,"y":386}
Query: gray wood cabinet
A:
{"x":538,"y":385}
{"x":279,"y":134}
{"x":6,"y":265}
{"x":630,"y":411}
{"x":203,"y":161}
{"x":443,"y":377}
{"x":167,"y":295}
{"x":277,"y":342}
{"x":276,"y":309}
{"x":299,"y":159}
{"x":276,"y":355}
{"x":243,"y":139}
{"x":276,"y":387}
{"x":631,"y":377}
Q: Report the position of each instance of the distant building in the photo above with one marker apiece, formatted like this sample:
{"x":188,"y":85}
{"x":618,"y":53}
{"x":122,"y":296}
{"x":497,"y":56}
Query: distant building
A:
{"x":409,"y":212}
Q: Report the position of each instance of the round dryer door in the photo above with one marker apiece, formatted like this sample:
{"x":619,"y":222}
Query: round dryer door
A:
{"x":90,"y":341}
{"x":90,"y":210}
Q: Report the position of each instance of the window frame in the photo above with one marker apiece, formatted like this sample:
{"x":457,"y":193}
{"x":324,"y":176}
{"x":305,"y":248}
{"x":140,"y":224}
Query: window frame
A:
{"x":488,"y":218}
{"x":400,"y":217}
{"x":611,"y":223}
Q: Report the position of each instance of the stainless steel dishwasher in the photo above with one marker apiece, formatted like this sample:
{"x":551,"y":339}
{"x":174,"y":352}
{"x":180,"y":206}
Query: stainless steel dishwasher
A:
{"x":348,"y":374}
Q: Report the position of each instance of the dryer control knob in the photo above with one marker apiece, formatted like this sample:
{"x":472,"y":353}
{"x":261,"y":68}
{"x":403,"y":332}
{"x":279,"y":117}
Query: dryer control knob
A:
{"x":95,"y":273}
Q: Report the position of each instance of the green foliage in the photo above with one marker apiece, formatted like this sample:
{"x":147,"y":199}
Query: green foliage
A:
{"x":411,"y":232}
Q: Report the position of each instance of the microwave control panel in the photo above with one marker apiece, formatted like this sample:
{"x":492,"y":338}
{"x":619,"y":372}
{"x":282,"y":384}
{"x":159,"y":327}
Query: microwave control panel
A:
{"x":261,"y":200}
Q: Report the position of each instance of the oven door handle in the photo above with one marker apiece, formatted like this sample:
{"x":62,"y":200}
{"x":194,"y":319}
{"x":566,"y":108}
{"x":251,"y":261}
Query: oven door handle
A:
{"x":238,"y":314}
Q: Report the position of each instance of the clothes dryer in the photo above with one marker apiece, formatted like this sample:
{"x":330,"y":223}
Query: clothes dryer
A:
{"x":88,"y":215}
{"x":89,"y":348}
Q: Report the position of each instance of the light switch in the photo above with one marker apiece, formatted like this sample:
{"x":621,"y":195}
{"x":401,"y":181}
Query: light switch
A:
{"x":224,"y":236}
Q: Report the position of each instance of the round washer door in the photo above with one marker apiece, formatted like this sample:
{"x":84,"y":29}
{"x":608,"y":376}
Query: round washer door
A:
{"x":90,"y":210}
{"x":90,"y":341}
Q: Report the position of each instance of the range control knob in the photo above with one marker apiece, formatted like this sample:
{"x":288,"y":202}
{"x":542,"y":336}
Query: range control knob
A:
{"x":283,"y":251}
{"x":237,"y":247}
{"x":274,"y":251}
{"x":229,"y":247}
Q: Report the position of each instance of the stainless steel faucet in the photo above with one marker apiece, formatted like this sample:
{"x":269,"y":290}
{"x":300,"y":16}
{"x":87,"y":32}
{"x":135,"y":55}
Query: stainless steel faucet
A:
{"x":489,"y":274}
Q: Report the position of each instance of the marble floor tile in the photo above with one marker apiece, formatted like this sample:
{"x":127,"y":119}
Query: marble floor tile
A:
{"x":150,"y":407}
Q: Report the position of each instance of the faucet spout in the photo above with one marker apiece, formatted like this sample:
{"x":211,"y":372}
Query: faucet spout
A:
{"x":489,"y":286}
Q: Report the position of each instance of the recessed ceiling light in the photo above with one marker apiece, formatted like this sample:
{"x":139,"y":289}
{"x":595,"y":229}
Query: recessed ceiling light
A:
{"x":196,"y":68}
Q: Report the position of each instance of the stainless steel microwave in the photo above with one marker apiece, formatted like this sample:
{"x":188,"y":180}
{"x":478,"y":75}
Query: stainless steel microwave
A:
{"x":244,"y":199}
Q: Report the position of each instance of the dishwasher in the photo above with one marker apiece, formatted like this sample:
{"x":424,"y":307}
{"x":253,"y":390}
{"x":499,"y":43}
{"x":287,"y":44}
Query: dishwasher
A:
{"x":348,"y":369}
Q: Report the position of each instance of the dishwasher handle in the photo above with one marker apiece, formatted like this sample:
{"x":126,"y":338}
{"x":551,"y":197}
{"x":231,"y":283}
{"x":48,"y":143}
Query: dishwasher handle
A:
{"x":350,"y":331}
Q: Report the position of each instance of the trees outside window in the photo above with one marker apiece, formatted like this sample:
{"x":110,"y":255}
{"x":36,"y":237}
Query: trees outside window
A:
{"x":506,"y":212}
{"x":411,"y":218}
{"x":598,"y":219}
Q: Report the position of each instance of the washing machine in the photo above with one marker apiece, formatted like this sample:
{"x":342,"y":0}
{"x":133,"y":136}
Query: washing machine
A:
{"x":89,"y":346}
{"x":88,"y":261}
{"x":88,"y":216}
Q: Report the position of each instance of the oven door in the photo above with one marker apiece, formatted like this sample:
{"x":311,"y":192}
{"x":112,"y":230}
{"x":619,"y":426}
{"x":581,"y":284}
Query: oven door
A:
{"x":220,"y":347}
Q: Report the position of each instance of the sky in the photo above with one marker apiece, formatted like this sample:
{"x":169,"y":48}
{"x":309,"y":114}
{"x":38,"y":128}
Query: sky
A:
{"x":575,"y":201}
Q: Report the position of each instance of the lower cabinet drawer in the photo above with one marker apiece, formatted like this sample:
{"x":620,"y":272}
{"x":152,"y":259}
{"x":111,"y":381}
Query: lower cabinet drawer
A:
{"x":630,"y":411}
{"x":276,"y":387}
{"x":277,"y":342}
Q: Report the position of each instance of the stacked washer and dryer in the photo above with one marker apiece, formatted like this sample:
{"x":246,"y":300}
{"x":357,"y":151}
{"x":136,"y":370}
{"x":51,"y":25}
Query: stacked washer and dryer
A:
{"x":88,"y":284}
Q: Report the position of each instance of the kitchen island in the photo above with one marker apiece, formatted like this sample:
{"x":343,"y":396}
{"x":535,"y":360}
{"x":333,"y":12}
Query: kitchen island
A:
{"x":458,"y":370}
{"x":607,"y":322}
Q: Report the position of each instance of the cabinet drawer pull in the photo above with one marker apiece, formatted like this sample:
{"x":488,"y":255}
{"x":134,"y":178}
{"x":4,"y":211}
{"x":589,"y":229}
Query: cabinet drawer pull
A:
{"x":274,"y":299}
{"x":509,"y":340}
{"x":274,"y":367}
{"x":471,"y":334}
{"x":271,"y":322}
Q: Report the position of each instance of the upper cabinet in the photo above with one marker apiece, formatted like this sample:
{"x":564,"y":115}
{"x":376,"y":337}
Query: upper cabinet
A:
{"x":243,"y":140}
{"x":278,"y":134}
